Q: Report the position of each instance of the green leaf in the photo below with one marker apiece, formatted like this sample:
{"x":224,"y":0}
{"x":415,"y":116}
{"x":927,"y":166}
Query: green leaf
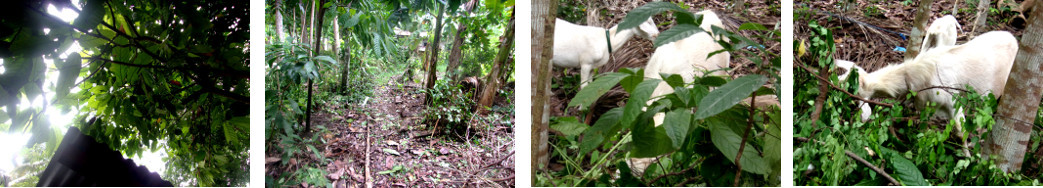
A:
{"x":648,"y":140}
{"x":674,"y":80}
{"x":595,"y":89}
{"x":569,"y":126}
{"x":318,"y":154}
{"x":68,"y":72}
{"x":393,"y":170}
{"x":728,"y":95}
{"x":773,"y":146}
{"x":906,"y":171}
{"x":677,"y":123}
{"x":641,"y":14}
{"x":350,"y":21}
{"x":327,"y":59}
{"x":752,"y":26}
{"x":637,"y":100}
{"x":728,"y":141}
{"x":684,"y":95}
{"x":712,"y":81}
{"x":607,"y":125}
{"x":677,"y":33}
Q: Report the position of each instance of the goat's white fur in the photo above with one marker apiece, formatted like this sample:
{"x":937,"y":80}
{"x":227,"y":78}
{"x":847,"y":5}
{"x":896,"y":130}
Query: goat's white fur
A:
{"x":983,"y":63}
{"x":942,"y":32}
{"x":848,"y":66}
{"x":585,"y":47}
{"x":688,"y":58}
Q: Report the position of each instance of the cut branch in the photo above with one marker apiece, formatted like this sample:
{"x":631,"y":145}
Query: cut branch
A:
{"x":857,"y":158}
{"x":802,"y":66}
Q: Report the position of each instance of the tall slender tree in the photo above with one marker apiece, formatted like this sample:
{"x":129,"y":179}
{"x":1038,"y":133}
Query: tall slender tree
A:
{"x":983,"y":15}
{"x":278,"y":21}
{"x":317,"y":26}
{"x":492,"y":80}
{"x":1017,"y":109}
{"x":543,"y":18}
{"x":432,"y":59}
{"x":458,"y":42}
{"x":919,"y":28}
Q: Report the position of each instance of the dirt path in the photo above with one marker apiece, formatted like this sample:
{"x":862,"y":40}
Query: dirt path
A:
{"x":388,"y":130}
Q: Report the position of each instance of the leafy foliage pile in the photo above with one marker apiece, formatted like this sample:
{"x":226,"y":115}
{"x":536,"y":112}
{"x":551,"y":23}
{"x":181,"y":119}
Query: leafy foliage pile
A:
{"x":697,"y":119}
{"x":152,"y":74}
{"x":904,"y":143}
{"x":450,"y":106}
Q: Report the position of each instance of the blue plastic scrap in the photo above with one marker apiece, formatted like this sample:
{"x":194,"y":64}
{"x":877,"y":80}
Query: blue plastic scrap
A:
{"x":899,"y":49}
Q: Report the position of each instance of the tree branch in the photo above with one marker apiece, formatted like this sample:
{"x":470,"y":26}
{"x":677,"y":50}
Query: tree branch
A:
{"x":802,"y":66}
{"x":132,"y":64}
{"x":742,"y":144}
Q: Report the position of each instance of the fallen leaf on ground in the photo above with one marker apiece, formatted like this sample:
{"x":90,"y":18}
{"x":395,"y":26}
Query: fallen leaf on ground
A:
{"x":336,"y":175}
{"x":391,"y":151}
{"x":272,"y":159}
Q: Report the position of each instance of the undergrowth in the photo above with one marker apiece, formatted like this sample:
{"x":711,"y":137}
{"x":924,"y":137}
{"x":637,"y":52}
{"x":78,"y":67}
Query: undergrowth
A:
{"x":904,"y":143}
{"x":698,"y":143}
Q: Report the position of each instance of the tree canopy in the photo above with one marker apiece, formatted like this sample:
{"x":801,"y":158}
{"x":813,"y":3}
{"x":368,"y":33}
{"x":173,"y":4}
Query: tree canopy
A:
{"x":162,"y":75}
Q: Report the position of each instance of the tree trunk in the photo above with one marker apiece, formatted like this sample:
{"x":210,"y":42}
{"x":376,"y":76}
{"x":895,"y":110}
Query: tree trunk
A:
{"x":458,"y":41}
{"x":317,"y":25}
{"x":919,"y":28}
{"x":336,"y":36}
{"x":492,"y":80}
{"x":346,"y":58}
{"x":345,"y":66}
{"x":543,"y":17}
{"x":592,"y":14}
{"x":983,"y":14}
{"x":739,"y":6}
{"x":278,"y":21}
{"x":1017,"y":108}
{"x":454,"y":53}
{"x":305,"y":26}
{"x":433,"y":58}
{"x":955,"y":8}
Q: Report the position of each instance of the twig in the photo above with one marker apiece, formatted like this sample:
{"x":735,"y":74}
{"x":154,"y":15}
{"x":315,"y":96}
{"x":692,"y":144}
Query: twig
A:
{"x":498,"y":161}
{"x":742,"y":145}
{"x":802,"y":66}
{"x":871,"y":166}
{"x":857,"y":158}
{"x":369,"y":178}
{"x":676,"y":173}
{"x":688,"y":180}
{"x":944,"y":88}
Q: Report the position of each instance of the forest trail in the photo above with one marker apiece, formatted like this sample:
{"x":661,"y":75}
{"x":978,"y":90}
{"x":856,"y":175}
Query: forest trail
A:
{"x":388,"y":129}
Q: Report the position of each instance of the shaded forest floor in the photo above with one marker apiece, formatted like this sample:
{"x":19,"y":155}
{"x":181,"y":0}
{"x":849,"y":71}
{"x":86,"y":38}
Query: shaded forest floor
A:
{"x":389,"y":130}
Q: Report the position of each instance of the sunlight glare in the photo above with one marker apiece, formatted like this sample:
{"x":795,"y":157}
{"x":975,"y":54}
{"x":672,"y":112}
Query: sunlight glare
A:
{"x":154,"y":160}
{"x":11,"y":150}
{"x":65,"y":14}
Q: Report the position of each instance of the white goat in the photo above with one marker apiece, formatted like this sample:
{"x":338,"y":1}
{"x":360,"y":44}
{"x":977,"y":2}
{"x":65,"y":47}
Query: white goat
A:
{"x":942,"y":32}
{"x":848,"y":66}
{"x":688,"y":58}
{"x":982,"y":63}
{"x":586,"y":48}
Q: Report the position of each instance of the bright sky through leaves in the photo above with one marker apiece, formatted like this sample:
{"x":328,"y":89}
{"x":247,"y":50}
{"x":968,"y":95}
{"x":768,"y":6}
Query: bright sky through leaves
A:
{"x":14,"y":143}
